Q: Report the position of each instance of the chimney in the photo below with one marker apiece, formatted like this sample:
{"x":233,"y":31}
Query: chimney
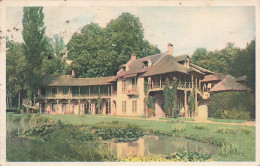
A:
{"x":133,"y":57}
{"x":170,"y":49}
{"x":73,"y":74}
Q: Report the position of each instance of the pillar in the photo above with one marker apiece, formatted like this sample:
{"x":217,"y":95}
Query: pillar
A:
{"x":196,"y":103}
{"x":185,"y":104}
{"x":191,"y":80}
{"x":160,"y":81}
{"x":69,"y":106}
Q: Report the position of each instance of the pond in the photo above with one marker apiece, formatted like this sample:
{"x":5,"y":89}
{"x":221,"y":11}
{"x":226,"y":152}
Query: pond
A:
{"x":150,"y":145}
{"x":21,"y":149}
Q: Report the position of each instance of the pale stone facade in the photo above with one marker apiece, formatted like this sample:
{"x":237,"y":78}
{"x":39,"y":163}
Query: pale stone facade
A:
{"x":124,"y":94}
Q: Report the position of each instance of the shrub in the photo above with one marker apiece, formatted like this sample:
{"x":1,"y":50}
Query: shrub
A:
{"x":226,"y":130}
{"x":17,"y":118}
{"x":178,"y":128}
{"x":245,"y":130}
{"x":232,"y":105}
{"x":200,"y":127}
{"x":27,"y":117}
{"x":229,"y":148}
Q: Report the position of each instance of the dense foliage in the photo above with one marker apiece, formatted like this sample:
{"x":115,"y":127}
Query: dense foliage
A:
{"x":34,"y":44}
{"x":230,"y":60}
{"x":15,"y":77}
{"x":97,"y":51}
{"x":27,"y":63}
{"x":170,"y":98}
{"x":232,"y":105}
{"x":184,"y":156}
{"x":120,"y":134}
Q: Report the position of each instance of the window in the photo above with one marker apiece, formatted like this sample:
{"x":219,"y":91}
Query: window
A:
{"x":134,"y":84}
{"x":145,"y":64}
{"x":124,"y":68}
{"x":64,"y":107}
{"x":123,"y":106}
{"x":123,"y":85}
{"x":54,"y":91}
{"x":43,"y":92}
{"x":54,"y":107}
{"x":65,"y":91}
{"x":134,"y":106}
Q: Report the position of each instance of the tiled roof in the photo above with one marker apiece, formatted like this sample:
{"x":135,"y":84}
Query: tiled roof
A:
{"x":67,"y":80}
{"x":181,"y":57}
{"x":201,"y":69}
{"x":213,"y":77}
{"x":166,"y":64}
{"x":229,"y":84}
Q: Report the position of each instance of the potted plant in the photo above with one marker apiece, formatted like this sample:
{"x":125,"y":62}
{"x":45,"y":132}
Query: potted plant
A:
{"x":150,"y":102}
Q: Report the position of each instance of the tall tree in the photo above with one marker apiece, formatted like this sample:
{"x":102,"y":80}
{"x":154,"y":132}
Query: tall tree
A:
{"x":58,"y":45}
{"x":100,"y":52}
{"x":34,"y":43}
{"x":15,"y":69}
{"x":54,"y":60}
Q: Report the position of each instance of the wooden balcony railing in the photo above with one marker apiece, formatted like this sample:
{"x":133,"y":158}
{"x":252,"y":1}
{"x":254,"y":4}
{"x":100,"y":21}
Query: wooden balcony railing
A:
{"x":133,"y":91}
{"x":74,"y":96}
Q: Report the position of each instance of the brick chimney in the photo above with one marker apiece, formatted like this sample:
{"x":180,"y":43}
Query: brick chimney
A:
{"x":133,"y":57}
{"x":73,"y":74}
{"x":170,"y":49}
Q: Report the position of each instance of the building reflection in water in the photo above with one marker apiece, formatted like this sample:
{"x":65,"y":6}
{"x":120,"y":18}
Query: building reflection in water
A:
{"x":159,"y":145}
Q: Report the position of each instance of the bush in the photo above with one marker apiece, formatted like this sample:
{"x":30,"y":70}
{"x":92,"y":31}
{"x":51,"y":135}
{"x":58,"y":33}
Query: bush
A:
{"x":178,"y":128}
{"x":200,"y":127}
{"x":232,"y":105}
{"x":229,"y":148}
{"x":226,"y":130}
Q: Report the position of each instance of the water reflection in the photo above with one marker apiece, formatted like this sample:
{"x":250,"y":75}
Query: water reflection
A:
{"x":159,"y":145}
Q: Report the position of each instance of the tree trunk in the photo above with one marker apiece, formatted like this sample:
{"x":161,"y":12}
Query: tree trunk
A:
{"x":19,"y":100}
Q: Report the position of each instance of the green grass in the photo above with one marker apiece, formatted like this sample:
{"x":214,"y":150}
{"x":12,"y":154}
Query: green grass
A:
{"x":183,"y":119}
{"x":244,"y":139}
{"x":227,"y":120}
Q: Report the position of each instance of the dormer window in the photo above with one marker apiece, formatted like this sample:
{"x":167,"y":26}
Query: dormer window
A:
{"x":124,"y":68}
{"x":145,"y":63}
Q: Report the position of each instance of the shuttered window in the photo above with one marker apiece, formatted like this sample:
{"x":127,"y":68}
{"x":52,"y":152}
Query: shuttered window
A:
{"x":123,"y":106}
{"x":134,"y":106}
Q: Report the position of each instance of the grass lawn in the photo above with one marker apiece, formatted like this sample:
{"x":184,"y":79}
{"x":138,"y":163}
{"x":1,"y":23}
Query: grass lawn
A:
{"x":227,"y":120}
{"x":239,"y":141}
{"x":183,"y":119}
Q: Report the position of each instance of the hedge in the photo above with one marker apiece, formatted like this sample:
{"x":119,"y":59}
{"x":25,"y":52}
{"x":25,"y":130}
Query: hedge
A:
{"x":232,"y":105}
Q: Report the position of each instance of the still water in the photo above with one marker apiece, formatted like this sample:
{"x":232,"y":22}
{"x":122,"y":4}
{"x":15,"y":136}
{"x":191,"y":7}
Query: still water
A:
{"x":145,"y":146}
{"x":160,"y":145}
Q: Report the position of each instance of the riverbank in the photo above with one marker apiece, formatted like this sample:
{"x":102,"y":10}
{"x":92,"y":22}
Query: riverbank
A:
{"x":236,"y":142}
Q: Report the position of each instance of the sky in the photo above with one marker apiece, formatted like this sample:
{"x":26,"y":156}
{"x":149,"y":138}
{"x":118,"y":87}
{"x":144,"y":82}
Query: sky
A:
{"x":187,"y":28}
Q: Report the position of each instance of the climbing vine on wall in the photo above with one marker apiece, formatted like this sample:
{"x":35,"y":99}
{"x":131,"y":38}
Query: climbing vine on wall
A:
{"x":174,"y":98}
{"x":170,"y":98}
{"x":192,"y":102}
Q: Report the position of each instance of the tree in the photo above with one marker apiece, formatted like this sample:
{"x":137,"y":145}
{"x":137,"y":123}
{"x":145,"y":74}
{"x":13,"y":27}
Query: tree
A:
{"x":58,"y":46}
{"x":244,"y":64}
{"x":15,"y":69}
{"x":34,"y":45}
{"x":54,"y":62}
{"x":97,"y":51}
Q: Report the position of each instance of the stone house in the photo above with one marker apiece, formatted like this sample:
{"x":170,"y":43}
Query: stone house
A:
{"x":124,"y":93}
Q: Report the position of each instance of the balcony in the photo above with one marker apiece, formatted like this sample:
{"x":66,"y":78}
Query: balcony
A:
{"x":133,"y":92}
{"x":74,"y":96}
{"x":156,"y":86}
